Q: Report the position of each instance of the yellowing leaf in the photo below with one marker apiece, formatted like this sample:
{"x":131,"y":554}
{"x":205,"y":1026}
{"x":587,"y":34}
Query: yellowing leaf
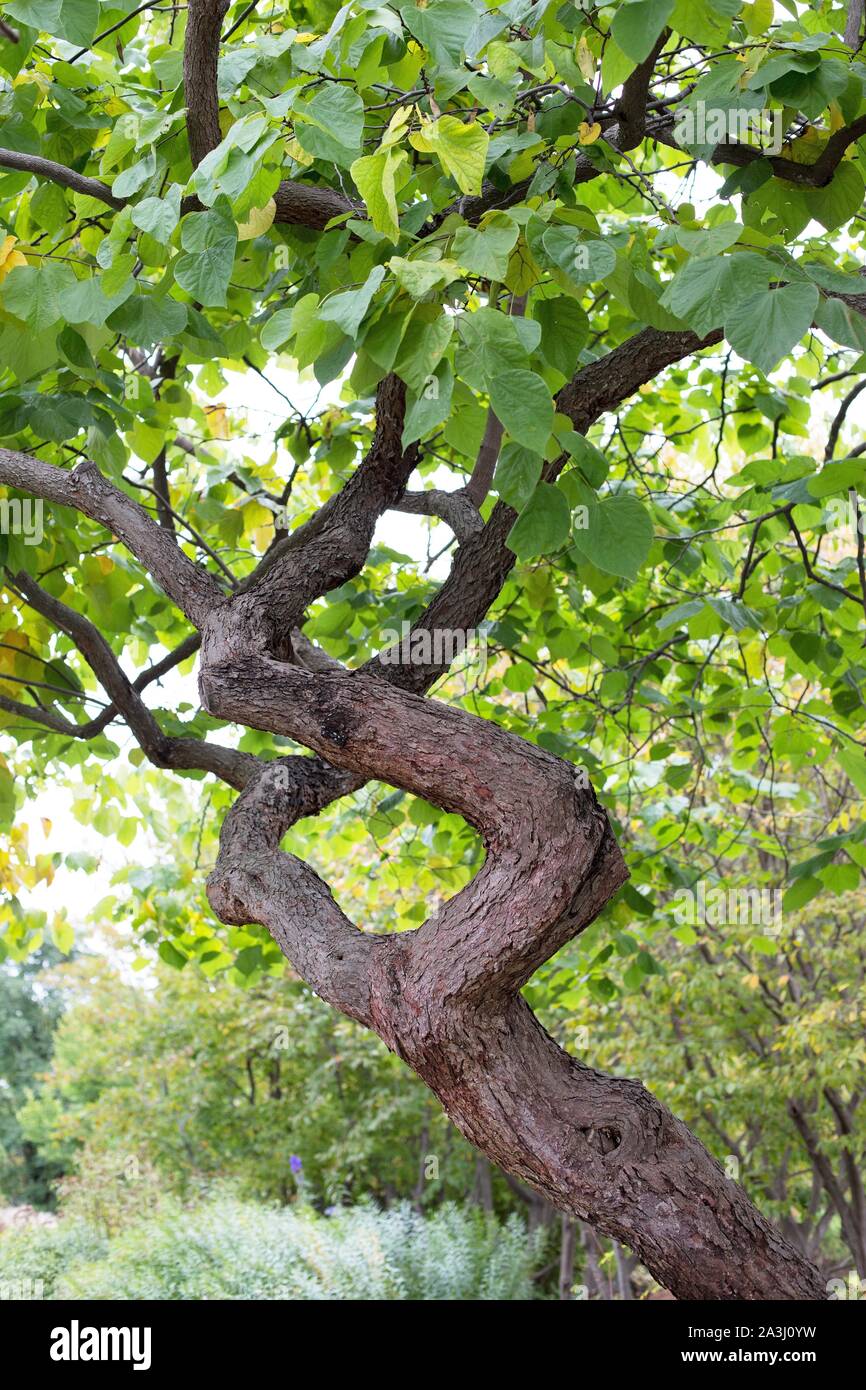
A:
{"x":375,"y":176}
{"x":217,"y":422}
{"x":39,"y":79}
{"x":758,"y":16}
{"x":9,"y":257}
{"x":585,"y":60}
{"x":296,"y":152}
{"x":62,"y":934}
{"x":588,"y":134}
{"x":461,"y":149}
{"x":751,"y":981}
{"x":257,"y":517}
{"x":396,"y":127}
{"x":258,"y":222}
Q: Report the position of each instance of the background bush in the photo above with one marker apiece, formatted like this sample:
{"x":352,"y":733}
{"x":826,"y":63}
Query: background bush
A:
{"x":229,"y":1249}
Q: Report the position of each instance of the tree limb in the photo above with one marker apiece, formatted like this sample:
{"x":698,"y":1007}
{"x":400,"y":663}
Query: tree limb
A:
{"x":456,"y":509}
{"x":58,"y":173}
{"x":84,"y":488}
{"x":854,"y":25}
{"x":232,"y":766}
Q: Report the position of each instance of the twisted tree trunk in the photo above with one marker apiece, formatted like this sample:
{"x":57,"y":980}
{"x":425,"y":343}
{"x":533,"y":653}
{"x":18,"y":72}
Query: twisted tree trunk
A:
{"x":446,"y":998}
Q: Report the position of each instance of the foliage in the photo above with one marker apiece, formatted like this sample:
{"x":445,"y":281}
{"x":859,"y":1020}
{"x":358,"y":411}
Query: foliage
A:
{"x":410,"y":106}
{"x":198,"y":1080}
{"x":227,"y":1249}
{"x":35,"y":1258}
{"x":29,"y":1012}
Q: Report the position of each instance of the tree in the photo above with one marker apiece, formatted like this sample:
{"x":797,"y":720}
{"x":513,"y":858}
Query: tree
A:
{"x":204,"y":1081}
{"x":759,"y":1047}
{"x":463,"y":216}
{"x":29,"y":1014}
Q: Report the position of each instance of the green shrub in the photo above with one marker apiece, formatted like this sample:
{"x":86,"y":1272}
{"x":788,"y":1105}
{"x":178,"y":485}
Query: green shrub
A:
{"x":226,"y":1249}
{"x":34,"y":1258}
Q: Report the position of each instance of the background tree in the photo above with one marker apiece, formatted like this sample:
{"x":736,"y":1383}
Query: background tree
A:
{"x":260,"y":1088}
{"x":29,"y":1013}
{"x":465,"y":216}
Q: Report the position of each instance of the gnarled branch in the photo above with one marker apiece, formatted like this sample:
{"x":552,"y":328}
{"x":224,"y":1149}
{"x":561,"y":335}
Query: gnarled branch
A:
{"x":84,"y":488}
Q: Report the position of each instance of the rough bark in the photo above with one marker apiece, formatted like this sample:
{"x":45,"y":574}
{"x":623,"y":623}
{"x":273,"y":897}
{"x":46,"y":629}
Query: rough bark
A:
{"x":200,"y":58}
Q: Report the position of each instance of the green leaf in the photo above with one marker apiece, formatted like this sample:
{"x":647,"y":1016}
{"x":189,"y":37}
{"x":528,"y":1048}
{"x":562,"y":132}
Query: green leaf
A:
{"x":419,"y":277}
{"x":800,"y":893}
{"x":7,"y":798}
{"x":148,"y":318}
{"x":78,"y":20}
{"x":130,"y":180}
{"x":765,"y":327}
{"x":842,"y":323}
{"x":277,"y":330}
{"x":542,"y":526}
{"x":583,"y":259}
{"x":85,"y":301}
{"x":490,"y":346}
{"x":442,"y":27}
{"x":331,"y":124}
{"x":171,"y":955}
{"x":421,"y":348}
{"x":735,"y":615}
{"x":591,"y":461}
{"x":853,"y":764}
{"x":638,"y":23}
{"x":209,"y":240}
{"x":564,"y":332}
{"x":709,"y":241}
{"x":42,"y":15}
{"x":522,"y":403}
{"x":836,"y":203}
{"x":31,"y":293}
{"x":431,"y":406}
{"x":158,"y":216}
{"x":248,"y":960}
{"x":73,"y":20}
{"x":838,"y":477}
{"x":349,"y":307}
{"x":485,"y":250}
{"x":518,"y":471}
{"x":519,"y":677}
{"x":695,"y":20}
{"x":706,"y":289}
{"x":618,"y":536}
